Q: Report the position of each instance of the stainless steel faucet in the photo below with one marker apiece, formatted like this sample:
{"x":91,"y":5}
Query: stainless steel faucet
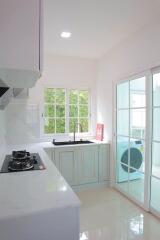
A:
{"x":74,"y":133}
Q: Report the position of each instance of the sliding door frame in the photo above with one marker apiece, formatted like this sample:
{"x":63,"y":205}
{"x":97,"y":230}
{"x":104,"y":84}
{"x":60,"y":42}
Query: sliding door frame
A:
{"x":153,"y":71}
{"x":148,"y":127}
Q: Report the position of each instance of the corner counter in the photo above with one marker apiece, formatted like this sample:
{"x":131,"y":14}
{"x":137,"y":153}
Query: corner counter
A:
{"x":37,"y":204}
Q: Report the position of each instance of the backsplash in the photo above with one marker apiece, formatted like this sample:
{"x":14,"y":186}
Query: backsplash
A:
{"x":22,"y":123}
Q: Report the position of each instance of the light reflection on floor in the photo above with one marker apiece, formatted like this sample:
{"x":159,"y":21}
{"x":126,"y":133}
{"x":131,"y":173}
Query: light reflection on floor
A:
{"x":107,"y":215}
{"x":136,"y":225}
{"x":83,"y":236}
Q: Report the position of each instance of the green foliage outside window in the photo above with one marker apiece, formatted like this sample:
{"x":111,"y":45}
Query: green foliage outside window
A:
{"x":55,"y":106}
{"x":83,"y":111}
{"x":49,"y":126}
{"x":60,"y":125}
{"x":60,"y":96}
{"x":49,"y":110}
{"x":49,"y":95}
{"x":60,"y":111}
{"x":73,"y":97}
{"x":84,"y":123}
{"x":72,"y":121}
{"x":73,"y":111}
{"x":83,"y":97}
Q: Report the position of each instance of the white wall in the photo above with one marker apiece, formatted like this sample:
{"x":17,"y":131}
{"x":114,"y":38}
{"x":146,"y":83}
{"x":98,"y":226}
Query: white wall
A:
{"x":138,"y":53}
{"x":23,"y":116}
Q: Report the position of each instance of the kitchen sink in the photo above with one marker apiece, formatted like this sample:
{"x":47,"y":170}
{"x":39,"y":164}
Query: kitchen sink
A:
{"x":72,"y":142}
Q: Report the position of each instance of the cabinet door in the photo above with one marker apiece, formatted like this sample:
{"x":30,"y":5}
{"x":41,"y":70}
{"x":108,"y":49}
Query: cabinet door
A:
{"x":88,"y":165}
{"x":20,"y":34}
{"x":65,"y":159}
{"x":104,"y":156}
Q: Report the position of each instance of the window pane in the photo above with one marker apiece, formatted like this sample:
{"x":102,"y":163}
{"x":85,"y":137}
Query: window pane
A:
{"x":60,"y":110}
{"x":123,"y":95}
{"x":73,"y":111}
{"x":156,"y":159}
{"x":60,"y":125}
{"x":83,"y":97}
{"x":137,"y":155}
{"x":84,"y":123}
{"x":123,"y":122}
{"x":49,"y":111}
{"x":60,"y":96}
{"x":49,"y":126}
{"x":122,"y":167}
{"x":137,"y":93}
{"x":122,"y":153}
{"x":72,"y":121}
{"x":136,"y":185}
{"x":137,"y":123}
{"x":55,"y":110}
{"x":156,"y":89}
{"x":83,"y":111}
{"x":49,"y":95}
{"x":122,"y":162}
{"x":73,"y":96}
{"x":155,"y":193}
{"x":156,"y":125}
{"x":123,"y":186}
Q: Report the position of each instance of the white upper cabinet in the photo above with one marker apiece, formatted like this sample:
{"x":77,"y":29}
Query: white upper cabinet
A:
{"x":21,"y":42}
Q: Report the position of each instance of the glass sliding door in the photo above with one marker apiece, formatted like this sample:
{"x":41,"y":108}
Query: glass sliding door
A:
{"x":130,"y":137}
{"x":155,"y":175}
{"x":137,"y":138}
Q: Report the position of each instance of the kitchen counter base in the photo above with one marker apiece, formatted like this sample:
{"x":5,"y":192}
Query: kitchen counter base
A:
{"x":37,"y":205}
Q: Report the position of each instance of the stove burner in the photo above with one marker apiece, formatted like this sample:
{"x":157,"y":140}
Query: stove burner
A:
{"x":21,"y":161}
{"x":19,"y":166}
{"x":20,"y":154}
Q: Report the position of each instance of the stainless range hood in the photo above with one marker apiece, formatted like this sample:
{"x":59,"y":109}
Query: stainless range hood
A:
{"x":6,"y":94}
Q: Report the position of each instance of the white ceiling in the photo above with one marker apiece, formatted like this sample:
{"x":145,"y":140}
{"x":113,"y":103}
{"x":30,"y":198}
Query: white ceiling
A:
{"x":96,"y":25}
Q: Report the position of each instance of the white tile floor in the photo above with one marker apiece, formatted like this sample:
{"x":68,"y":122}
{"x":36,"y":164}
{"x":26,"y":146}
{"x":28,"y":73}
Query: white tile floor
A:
{"x":107,"y":215}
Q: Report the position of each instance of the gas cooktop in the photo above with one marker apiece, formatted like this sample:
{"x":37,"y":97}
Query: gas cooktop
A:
{"x":22,"y":161}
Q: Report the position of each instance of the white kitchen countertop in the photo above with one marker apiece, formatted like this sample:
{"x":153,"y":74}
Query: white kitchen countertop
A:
{"x":31,"y":192}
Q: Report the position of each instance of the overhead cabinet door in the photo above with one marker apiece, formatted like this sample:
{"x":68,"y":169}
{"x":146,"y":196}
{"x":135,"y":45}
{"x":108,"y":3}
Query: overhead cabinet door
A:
{"x":21,"y":35}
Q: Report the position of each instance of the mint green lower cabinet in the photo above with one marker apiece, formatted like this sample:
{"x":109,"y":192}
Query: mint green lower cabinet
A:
{"x":80,"y":165}
{"x":87,"y":165}
{"x":66,"y":162}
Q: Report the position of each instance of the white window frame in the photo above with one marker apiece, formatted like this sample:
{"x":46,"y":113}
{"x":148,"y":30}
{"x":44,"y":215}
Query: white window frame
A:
{"x":67,"y":133}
